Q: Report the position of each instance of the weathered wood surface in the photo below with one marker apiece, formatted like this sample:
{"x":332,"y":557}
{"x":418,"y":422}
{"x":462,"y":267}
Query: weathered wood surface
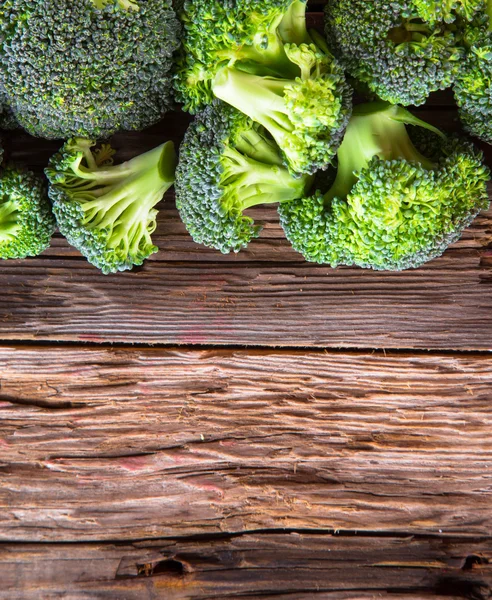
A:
{"x":101,"y":444}
{"x":290,"y":566}
{"x":194,"y":295}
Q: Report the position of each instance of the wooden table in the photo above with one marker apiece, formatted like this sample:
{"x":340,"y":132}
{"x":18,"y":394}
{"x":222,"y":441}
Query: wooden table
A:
{"x":213,"y":426}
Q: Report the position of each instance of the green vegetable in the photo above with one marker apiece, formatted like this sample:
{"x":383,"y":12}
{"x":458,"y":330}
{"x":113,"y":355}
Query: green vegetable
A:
{"x":447,"y":10}
{"x":26,"y":221}
{"x":259,"y":57}
{"x":228,"y":164}
{"x":87,"y":67}
{"x":473,"y":87}
{"x":107,"y":211}
{"x":390,"y":207}
{"x":388,"y":46}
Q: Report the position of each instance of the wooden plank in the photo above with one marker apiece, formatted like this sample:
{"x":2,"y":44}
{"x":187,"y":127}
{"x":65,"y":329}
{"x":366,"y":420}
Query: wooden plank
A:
{"x":445,"y":305}
{"x":198,"y":296}
{"x":257,"y":566}
{"x":101,"y":444}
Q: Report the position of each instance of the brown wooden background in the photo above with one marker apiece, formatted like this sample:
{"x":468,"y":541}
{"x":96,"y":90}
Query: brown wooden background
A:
{"x":213,"y":426}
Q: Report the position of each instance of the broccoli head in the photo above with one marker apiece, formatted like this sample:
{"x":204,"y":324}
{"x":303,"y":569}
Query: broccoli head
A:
{"x":26,"y":220}
{"x":389,"y":47}
{"x":268,"y":66}
{"x":107,"y":211}
{"x":390,"y":207}
{"x":473,"y":86}
{"x":88,"y":67}
{"x":227,"y":164}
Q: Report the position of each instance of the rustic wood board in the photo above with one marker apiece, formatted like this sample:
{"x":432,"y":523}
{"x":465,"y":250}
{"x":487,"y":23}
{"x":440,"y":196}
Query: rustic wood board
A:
{"x":102,"y":444}
{"x":286,"y":566}
{"x":188,"y":294}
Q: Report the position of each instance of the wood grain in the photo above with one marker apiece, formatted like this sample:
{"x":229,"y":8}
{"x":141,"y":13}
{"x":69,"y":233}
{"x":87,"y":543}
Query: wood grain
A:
{"x":124,"y":444}
{"x":290,"y":566}
{"x":188,"y":294}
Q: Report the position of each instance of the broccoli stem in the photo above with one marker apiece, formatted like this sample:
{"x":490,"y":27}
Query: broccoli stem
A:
{"x":489,"y":13}
{"x":248,"y":182}
{"x":258,"y":147}
{"x":107,"y":174}
{"x":123,"y":202}
{"x":9,"y":223}
{"x":375,"y":129}
{"x":260,"y":98}
{"x":292,"y":28}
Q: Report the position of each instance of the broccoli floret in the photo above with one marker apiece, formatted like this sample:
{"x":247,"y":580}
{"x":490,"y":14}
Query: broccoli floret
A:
{"x":228,"y":164}
{"x":218,"y":33}
{"x":387,"y":45}
{"x":447,"y":10}
{"x":390,"y":207}
{"x":107,"y":211}
{"x":26,"y":220}
{"x":87,"y":68}
{"x":473,"y":86}
{"x":267,"y":65}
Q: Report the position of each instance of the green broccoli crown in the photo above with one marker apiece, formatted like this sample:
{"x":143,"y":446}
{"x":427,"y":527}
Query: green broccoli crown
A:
{"x":107,"y":211}
{"x":473,"y":85}
{"x":386,"y":45}
{"x":26,"y":221}
{"x":390,"y":207}
{"x":306,"y":116}
{"x":270,"y":68}
{"x":87,"y":68}
{"x":228,"y":164}
{"x":217,"y":33}
{"x":433,"y":11}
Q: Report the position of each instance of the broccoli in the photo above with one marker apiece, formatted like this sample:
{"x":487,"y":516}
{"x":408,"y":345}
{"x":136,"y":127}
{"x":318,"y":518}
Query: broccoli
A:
{"x":473,"y":86}
{"x":228,"y":164}
{"x":447,"y":10}
{"x":7,"y":119}
{"x":87,"y":68}
{"x":107,"y":211}
{"x":260,"y":58}
{"x":389,"y":47}
{"x":26,"y":221}
{"x":390,"y":207}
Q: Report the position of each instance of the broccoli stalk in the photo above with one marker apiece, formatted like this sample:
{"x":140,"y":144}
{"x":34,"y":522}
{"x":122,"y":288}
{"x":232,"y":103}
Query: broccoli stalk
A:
{"x":248,"y":182}
{"x":228,"y":164}
{"x":306,"y":116}
{"x":376,"y":130}
{"x":391,"y":206}
{"x":107,"y":211}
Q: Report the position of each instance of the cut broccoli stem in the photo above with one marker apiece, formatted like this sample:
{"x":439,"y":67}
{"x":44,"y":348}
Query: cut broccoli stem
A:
{"x":376,"y":129}
{"x":260,"y":98}
{"x":252,"y":183}
{"x":292,"y":28}
{"x":489,"y":13}
{"x":95,"y":174}
{"x":9,"y":223}
{"x":125,"y":208}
